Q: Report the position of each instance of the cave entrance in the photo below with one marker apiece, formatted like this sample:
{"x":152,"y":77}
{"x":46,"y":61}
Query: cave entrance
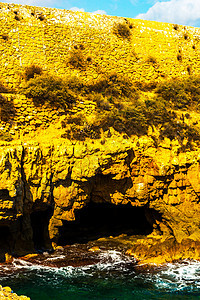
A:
{"x":40,"y":223}
{"x":103,"y":220}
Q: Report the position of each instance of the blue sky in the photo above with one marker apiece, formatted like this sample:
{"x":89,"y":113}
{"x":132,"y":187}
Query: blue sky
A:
{"x":186,"y":12}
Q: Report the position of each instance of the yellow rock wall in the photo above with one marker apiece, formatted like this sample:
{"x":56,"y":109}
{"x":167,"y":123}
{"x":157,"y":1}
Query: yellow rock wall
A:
{"x":50,"y":41}
{"x":65,"y":176}
{"x":40,"y":169}
{"x":149,"y":54}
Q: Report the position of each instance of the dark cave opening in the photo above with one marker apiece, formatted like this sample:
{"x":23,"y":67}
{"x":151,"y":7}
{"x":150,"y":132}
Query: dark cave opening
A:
{"x":39,"y":223}
{"x":5,"y":236}
{"x":5,"y":241}
{"x":103,"y":220}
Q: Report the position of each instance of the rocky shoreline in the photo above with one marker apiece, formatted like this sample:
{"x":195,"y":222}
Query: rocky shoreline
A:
{"x":65,"y":177}
{"x":51,"y":197}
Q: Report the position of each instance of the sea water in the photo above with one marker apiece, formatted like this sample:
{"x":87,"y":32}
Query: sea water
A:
{"x":115,"y":276}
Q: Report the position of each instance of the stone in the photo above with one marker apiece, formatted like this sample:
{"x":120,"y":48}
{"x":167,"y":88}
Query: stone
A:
{"x":95,"y":249}
{"x":8,"y":258}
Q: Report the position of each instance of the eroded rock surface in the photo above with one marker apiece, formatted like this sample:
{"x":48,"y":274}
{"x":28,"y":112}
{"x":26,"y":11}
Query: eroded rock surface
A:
{"x":43,"y":186}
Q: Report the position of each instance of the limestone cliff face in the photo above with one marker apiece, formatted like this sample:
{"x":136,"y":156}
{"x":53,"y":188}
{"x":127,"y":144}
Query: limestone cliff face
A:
{"x":61,"y":178}
{"x":46,"y":178}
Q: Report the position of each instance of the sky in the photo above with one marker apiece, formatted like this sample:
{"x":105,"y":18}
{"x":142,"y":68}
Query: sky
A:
{"x":184,"y":12}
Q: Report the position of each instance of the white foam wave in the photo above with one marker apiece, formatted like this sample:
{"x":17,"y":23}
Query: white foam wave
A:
{"x":179,"y":275}
{"x":28,"y":267}
{"x":55,"y":257}
{"x":113,"y":258}
{"x":172,"y":277}
{"x":109,"y":260}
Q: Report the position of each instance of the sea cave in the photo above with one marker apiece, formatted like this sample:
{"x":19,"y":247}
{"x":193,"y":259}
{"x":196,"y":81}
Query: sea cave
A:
{"x":98,"y":220}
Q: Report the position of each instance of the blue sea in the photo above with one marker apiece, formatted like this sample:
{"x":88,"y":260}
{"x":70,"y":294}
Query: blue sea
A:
{"x":115,"y":276}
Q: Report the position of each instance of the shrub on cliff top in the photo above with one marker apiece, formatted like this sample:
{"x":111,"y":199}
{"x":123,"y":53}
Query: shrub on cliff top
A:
{"x":31,"y":71}
{"x":151,"y":60}
{"x":130,"y":120}
{"x":48,"y":89}
{"x":175,"y":26}
{"x":41,"y":17}
{"x":181,"y":93}
{"x":113,"y":85}
{"x":76,"y":59}
{"x":122,"y":30}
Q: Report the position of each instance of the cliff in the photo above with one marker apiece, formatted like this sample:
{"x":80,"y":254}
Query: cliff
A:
{"x":57,"y":159}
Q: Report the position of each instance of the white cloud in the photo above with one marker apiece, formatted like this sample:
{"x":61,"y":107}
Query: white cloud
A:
{"x":186,"y":12}
{"x":77,"y":9}
{"x":100,"y":12}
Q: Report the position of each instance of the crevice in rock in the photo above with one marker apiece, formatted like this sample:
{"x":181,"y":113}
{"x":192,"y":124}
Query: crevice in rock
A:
{"x":5,"y":240}
{"x":98,"y":220}
{"x":39,"y":223}
{"x":23,"y":176}
{"x":165,"y":178}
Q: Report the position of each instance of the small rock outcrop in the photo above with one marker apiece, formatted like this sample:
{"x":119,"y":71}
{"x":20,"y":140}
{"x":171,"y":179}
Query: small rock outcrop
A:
{"x":7,"y":293}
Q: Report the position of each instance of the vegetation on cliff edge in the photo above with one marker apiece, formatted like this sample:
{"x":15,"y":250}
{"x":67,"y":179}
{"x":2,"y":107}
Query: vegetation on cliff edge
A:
{"x":121,"y":104}
{"x":49,"y":89}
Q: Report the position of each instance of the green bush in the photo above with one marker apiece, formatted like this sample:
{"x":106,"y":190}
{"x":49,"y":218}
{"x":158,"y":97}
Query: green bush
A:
{"x":181,"y":93}
{"x":82,"y":132}
{"x":76,"y":59}
{"x":122,"y":30}
{"x":186,"y":36}
{"x":31,"y":71}
{"x":77,"y":119}
{"x":156,"y":111}
{"x":41,"y":17}
{"x":101,"y":102}
{"x":179,"y":57}
{"x":75,"y":84}
{"x":176,"y":26}
{"x":130,"y":119}
{"x":17,"y":17}
{"x":151,"y":60}
{"x":146,"y":86}
{"x":135,"y":119}
{"x":180,"y":131}
{"x":48,"y":89}
{"x":134,"y":116}
{"x":113,"y":85}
